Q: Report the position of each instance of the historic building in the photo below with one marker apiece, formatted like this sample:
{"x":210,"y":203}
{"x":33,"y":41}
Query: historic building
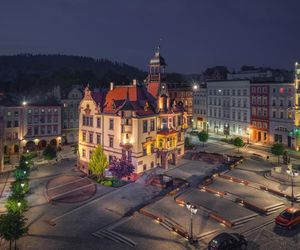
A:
{"x":200,"y":107}
{"x":228,"y":108}
{"x":136,"y":122}
{"x":282,"y":113}
{"x":183,"y":95}
{"x":26,"y":126}
{"x":260,"y":113}
{"x":70,"y":117}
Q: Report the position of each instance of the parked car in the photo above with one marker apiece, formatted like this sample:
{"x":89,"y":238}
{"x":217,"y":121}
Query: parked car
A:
{"x":228,"y":241}
{"x":288,"y":218}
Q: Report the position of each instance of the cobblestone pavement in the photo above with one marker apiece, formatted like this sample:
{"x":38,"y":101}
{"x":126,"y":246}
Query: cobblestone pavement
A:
{"x":273,"y":238}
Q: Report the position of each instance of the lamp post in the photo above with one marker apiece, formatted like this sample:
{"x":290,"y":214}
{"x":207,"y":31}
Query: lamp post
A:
{"x":292,"y":173}
{"x":193,"y":210}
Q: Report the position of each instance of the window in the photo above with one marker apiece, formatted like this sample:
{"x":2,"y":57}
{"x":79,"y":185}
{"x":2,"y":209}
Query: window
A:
{"x":36,"y":130}
{"x":233,"y":92}
{"x":274,"y":90}
{"x":273,"y":102}
{"x":253,"y":89}
{"x":144,"y":151}
{"x":258,"y":90}
{"x":49,"y":129}
{"x":83,"y":136}
{"x":83,"y":153}
{"x":152,"y":125}
{"x":111,"y":124}
{"x":274,"y":114}
{"x":111,"y":142}
{"x":152,"y":164}
{"x":281,"y":90}
{"x":42,"y":130}
{"x":90,"y":137}
{"x":98,"y":138}
{"x":238,"y":92}
{"x":29,"y":131}
{"x":244,"y":92}
{"x":144,"y":167}
{"x":8,"y":124}
{"x":145,"y":126}
{"x":281,"y":103}
{"x":152,"y":148}
{"x":98,"y":122}
{"x":55,"y":129}
{"x":245,"y":103}
{"x":281,"y":114}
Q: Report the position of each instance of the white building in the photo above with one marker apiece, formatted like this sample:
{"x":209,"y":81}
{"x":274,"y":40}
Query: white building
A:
{"x":200,"y":107}
{"x":282,"y":113}
{"x":228,"y":107}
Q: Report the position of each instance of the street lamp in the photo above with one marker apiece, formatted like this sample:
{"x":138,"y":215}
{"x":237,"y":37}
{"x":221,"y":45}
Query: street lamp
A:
{"x":195,"y":87}
{"x":292,"y":173}
{"x":22,"y":185}
{"x":19,"y":204}
{"x":193,"y":210}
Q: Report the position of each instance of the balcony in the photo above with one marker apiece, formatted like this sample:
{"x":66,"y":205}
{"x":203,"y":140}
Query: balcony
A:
{"x":126,"y":129}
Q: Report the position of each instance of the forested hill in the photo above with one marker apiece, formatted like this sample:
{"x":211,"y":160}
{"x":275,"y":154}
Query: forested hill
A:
{"x":28,"y":73}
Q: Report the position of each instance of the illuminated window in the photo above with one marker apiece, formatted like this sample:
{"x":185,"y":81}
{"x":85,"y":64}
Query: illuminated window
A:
{"x":281,"y":90}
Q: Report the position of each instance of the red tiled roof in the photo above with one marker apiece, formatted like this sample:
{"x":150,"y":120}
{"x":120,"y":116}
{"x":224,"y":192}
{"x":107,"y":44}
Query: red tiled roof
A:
{"x":153,"y":88}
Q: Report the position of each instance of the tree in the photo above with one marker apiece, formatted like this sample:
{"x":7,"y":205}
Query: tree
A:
{"x":49,"y":153}
{"x":121,"y":168}
{"x":187,"y":142}
{"x":16,"y":204}
{"x":12,"y":227}
{"x":278,"y":150}
{"x":203,"y":136}
{"x":98,"y":161}
{"x":238,"y":142}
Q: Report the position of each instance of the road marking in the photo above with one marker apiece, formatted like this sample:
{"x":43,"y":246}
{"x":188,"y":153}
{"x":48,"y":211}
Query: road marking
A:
{"x":52,"y":221}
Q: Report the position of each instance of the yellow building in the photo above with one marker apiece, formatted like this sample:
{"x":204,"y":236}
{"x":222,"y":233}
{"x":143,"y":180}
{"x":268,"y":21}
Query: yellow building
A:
{"x":135,"y":122}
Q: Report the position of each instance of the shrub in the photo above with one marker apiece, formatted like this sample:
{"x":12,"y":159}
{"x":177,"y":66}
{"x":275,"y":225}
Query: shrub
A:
{"x":20,"y":174}
{"x":106,"y":183}
{"x":49,"y":153}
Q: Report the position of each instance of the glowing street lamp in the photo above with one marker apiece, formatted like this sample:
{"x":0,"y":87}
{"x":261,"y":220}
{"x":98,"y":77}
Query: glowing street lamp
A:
{"x":195,"y":87}
{"x":193,"y":210}
{"x":19,"y":204}
{"x":293,"y":174}
{"x":22,"y":185}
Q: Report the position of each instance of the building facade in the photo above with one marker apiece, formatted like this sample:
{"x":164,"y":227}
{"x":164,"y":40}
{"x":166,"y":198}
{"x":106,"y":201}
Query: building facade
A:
{"x":135,"y":122}
{"x":282,"y":113}
{"x":260,"y":113}
{"x":42,"y":126}
{"x":27,"y":127}
{"x":183,"y":95}
{"x":200,"y":107}
{"x":70,"y":115}
{"x":228,"y":108}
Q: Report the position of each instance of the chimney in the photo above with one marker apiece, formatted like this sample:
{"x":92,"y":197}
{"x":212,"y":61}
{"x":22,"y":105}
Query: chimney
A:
{"x":134,"y":82}
{"x":111,"y":86}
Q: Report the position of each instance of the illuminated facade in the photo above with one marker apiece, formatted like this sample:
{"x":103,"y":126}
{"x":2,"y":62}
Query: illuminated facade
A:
{"x":136,"y":122}
{"x":228,"y":108}
{"x":27,"y":127}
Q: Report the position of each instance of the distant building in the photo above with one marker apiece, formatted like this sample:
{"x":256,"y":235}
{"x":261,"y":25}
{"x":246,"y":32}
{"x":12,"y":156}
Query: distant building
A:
{"x":200,"y":107}
{"x":260,"y":113}
{"x":228,"y":107}
{"x":135,"y":122}
{"x":182,"y":94}
{"x":27,"y":126}
{"x":282,"y":113}
{"x":261,"y":74}
{"x":215,"y":73}
{"x":70,"y":114}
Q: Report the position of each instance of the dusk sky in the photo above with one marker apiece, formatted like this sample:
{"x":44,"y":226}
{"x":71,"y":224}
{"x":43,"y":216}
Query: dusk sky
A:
{"x":195,"y":33}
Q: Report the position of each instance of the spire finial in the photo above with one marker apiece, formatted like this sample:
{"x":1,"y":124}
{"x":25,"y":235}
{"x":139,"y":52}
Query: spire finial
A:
{"x":158,"y":46}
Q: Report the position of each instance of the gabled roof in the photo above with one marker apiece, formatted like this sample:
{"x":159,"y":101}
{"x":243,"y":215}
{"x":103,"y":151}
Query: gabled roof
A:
{"x":130,"y":97}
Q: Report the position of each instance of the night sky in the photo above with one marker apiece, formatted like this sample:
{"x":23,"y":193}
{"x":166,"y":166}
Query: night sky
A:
{"x":195,"y":33}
